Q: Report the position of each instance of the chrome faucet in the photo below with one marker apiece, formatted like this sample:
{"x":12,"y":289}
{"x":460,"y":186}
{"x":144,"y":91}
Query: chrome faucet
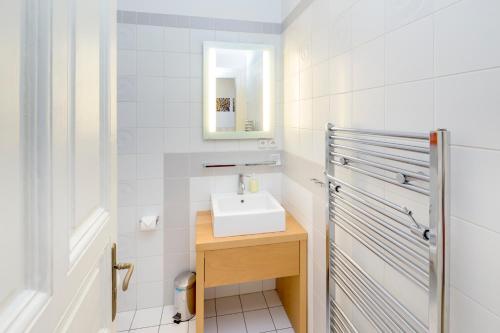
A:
{"x":241,"y":184}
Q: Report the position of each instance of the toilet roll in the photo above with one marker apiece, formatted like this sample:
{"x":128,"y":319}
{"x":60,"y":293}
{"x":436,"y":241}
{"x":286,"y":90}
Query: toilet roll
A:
{"x":148,"y":223}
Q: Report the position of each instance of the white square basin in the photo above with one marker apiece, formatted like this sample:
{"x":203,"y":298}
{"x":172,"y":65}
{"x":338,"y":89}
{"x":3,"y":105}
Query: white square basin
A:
{"x":246,"y":214}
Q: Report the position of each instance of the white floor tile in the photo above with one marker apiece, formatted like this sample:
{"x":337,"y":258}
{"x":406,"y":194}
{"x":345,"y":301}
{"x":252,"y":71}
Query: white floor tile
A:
{"x":233,"y":323}
{"x":174,"y":328}
{"x":168,"y":312}
{"x":258,"y":321}
{"x":210,"y":325}
{"x":254,"y":301}
{"x":272,"y":298}
{"x":227,"y":305}
{"x":210,"y":308}
{"x":147,"y":317}
{"x":286,"y":330}
{"x":153,"y":329}
{"x":280,"y":318}
{"x":124,"y":320}
{"x":192,"y":326}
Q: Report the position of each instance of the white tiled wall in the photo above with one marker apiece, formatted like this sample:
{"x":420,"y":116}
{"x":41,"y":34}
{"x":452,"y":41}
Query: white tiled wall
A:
{"x":160,"y":111}
{"x":413,"y":66}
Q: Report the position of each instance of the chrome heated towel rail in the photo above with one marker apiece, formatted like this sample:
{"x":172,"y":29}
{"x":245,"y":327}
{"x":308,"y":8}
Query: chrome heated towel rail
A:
{"x":377,"y":181}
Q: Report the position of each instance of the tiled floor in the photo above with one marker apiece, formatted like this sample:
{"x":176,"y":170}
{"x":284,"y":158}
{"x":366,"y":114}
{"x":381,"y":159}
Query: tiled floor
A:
{"x":251,"y":313}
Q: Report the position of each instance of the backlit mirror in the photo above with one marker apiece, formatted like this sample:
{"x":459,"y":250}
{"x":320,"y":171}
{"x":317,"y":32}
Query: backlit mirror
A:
{"x":238,"y":91}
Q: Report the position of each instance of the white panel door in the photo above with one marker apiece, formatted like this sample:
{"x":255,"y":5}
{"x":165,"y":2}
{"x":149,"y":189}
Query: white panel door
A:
{"x":57,"y":164}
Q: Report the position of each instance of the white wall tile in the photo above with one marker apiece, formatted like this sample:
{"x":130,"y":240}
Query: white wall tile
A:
{"x":127,"y":193}
{"x":198,"y":37}
{"x":305,"y":85}
{"x":410,"y":52}
{"x":368,"y":65}
{"x":475,"y":175}
{"x":127,"y":36}
{"x":320,"y":111}
{"x":149,"y":243}
{"x":469,"y":316}
{"x":367,"y":20}
{"x":341,"y":35}
{"x":150,"y":89}
{"x":150,"y":38}
{"x":177,"y":114}
{"x":149,"y":140}
{"x":321,"y":79}
{"x":399,"y":13}
{"x":149,"y":192}
{"x":127,"y":89}
{"x":127,"y":62}
{"x":195,"y":90}
{"x":177,"y":40}
{"x":150,"y":63}
{"x":467,"y":104}
{"x":369,"y":108}
{"x":149,"y":166}
{"x":149,"y":269}
{"x":475,"y":270}
{"x":127,"y":167}
{"x":320,"y":29}
{"x":410,"y":107}
{"x":176,"y":90}
{"x":305,"y":114}
{"x":149,"y":114}
{"x":127,"y":114}
{"x":195,"y":65}
{"x":127,"y":220}
{"x":477,"y":24}
{"x":177,"y":64}
{"x":149,"y":294}
{"x":177,"y":140}
{"x":341,"y":73}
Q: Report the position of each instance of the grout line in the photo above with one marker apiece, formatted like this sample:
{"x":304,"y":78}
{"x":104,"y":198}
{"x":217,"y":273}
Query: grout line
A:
{"x":242,"y":313}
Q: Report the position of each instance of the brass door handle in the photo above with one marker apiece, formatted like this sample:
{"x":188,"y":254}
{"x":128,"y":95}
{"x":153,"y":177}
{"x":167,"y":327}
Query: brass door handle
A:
{"x":114,"y":289}
{"x":130,"y":269}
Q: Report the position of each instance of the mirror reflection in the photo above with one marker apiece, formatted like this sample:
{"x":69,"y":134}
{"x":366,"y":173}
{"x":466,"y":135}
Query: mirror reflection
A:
{"x":238,"y":91}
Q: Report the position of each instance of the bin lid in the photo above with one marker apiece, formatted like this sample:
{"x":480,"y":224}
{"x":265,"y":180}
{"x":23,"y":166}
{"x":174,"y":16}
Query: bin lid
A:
{"x":185,"y":280}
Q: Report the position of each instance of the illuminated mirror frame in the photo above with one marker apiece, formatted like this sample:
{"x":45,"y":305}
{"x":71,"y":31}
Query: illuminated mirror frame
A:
{"x":210,"y":85}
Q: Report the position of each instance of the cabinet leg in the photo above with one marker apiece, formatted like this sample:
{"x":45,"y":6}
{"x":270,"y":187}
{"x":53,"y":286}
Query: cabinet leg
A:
{"x":200,"y":292}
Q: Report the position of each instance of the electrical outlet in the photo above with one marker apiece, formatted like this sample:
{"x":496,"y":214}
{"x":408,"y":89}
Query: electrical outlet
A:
{"x":263,"y":144}
{"x":271,"y":143}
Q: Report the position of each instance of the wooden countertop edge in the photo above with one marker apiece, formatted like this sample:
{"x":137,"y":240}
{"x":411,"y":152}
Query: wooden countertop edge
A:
{"x":294,"y":232}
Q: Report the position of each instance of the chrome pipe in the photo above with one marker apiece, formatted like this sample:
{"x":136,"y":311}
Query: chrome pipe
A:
{"x":414,"y":225}
{"x":340,"y":324}
{"x":374,"y":197}
{"x":407,"y":160}
{"x":439,"y":279}
{"x":384,"y":144}
{"x":342,"y":316}
{"x":396,"y":243}
{"x":409,"y":237}
{"x":383,"y":246}
{"x":395,"y":134}
{"x":375,"y":303}
{"x":414,"y":188}
{"x":361,"y":305}
{"x":405,"y":173}
{"x":389,"y":261}
{"x":377,"y":288}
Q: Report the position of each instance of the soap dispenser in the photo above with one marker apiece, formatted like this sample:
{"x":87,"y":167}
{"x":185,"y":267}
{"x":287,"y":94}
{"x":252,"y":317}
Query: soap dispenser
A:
{"x":253,"y":184}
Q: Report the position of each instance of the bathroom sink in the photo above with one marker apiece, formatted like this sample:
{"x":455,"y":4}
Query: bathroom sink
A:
{"x":246,"y":214}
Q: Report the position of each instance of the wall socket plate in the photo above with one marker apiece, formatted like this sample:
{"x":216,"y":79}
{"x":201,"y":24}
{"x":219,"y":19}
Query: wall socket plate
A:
{"x":267,"y":144}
